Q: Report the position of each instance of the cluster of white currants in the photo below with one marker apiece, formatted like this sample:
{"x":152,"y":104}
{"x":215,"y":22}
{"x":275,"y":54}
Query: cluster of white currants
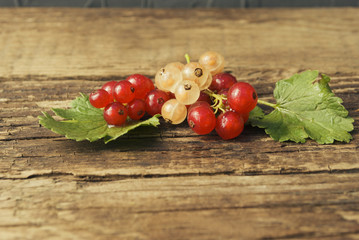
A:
{"x":186,"y":81}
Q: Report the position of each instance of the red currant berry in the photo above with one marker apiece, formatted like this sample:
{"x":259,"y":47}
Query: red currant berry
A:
{"x":222,"y":81}
{"x":242,"y":97}
{"x":229,"y":125}
{"x":204,"y":97}
{"x":100,"y":98}
{"x":245,"y":117}
{"x":171,"y":95}
{"x":136,"y":109}
{"x":201,"y":119}
{"x":197,"y":104}
{"x":115,"y":113}
{"x":108,"y":87}
{"x":124,"y":92}
{"x":142,"y":85}
{"x":224,"y":92}
{"x":154,"y":101}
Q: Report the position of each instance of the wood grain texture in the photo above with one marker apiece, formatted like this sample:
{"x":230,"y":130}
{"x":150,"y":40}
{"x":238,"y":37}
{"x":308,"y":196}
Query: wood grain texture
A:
{"x":103,"y":42}
{"x":296,"y":206}
{"x":178,"y":3}
{"x":167,"y":182}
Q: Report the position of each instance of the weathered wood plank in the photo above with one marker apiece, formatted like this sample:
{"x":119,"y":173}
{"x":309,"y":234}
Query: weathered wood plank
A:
{"x":29,"y":150}
{"x":72,"y":42}
{"x":251,"y":153}
{"x":179,"y":3}
{"x":227,"y":207}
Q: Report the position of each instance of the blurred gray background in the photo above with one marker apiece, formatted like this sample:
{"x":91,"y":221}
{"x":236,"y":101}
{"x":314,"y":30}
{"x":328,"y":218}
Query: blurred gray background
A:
{"x":179,"y":3}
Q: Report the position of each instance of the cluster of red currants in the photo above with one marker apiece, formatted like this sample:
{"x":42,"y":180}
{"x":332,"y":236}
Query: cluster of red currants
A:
{"x":127,"y":98}
{"x":197,"y":90}
{"x":233,"y":99}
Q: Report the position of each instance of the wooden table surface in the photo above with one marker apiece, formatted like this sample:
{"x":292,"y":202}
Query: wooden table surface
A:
{"x":169,"y":183}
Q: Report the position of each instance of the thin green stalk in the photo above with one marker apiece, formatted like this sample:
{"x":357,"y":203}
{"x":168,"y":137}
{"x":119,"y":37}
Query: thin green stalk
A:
{"x":267,"y":103}
{"x":188,"y":60}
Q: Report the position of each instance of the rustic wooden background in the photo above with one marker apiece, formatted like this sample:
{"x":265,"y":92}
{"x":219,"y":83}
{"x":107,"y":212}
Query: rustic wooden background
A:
{"x":179,"y":3}
{"x":169,"y":183}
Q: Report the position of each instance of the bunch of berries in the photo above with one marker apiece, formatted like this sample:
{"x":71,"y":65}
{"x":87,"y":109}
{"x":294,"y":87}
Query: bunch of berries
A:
{"x":199,"y":91}
{"x":127,"y":98}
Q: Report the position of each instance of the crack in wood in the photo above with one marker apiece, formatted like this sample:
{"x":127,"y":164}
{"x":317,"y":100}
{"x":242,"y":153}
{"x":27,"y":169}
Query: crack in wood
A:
{"x":306,"y":235}
{"x":118,"y":177}
{"x":21,"y":225}
{"x":262,"y":206}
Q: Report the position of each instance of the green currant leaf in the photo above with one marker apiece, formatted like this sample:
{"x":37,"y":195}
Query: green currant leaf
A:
{"x":85,"y":122}
{"x":256,"y":114}
{"x":306,"y":108}
{"x":115,"y":132}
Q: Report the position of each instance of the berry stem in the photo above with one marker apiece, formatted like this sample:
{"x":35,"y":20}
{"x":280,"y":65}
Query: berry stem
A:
{"x":188,"y":60}
{"x":267,"y":103}
{"x":217,"y":101}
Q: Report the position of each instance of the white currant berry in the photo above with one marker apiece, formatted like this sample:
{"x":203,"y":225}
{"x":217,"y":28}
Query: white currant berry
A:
{"x":212,"y":61}
{"x":187,"y":92}
{"x":173,"y":111}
